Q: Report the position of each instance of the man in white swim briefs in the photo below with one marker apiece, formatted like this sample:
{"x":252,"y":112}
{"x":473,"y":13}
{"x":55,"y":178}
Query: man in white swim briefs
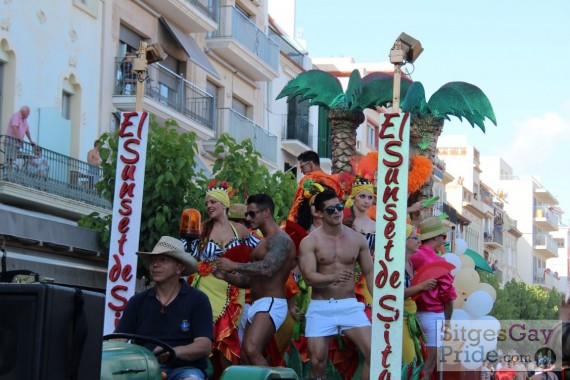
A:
{"x":266,"y":274}
{"x":327,"y":261}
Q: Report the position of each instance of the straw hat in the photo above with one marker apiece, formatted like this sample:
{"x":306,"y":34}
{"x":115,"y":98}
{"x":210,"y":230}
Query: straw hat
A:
{"x":172,"y":247}
{"x":237,"y":211}
{"x":431,"y":227}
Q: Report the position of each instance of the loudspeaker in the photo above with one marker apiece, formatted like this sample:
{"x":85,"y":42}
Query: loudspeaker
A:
{"x":50,"y":332}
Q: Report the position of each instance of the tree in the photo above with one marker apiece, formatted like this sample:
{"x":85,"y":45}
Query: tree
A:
{"x":518,"y":300}
{"x":240,"y":165}
{"x":171,"y":182}
{"x":345,"y":109}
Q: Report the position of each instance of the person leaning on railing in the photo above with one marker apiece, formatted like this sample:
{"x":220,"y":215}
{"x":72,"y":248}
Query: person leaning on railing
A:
{"x":17,"y":128}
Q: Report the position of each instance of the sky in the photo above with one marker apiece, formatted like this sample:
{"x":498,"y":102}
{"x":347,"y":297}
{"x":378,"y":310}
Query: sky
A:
{"x":517,"y":52}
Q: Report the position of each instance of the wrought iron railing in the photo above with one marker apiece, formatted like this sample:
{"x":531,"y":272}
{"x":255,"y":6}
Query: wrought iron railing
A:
{"x":50,"y":172}
{"x":241,"y":128}
{"x":296,"y":127}
{"x":168,"y":88}
{"x":248,"y":34}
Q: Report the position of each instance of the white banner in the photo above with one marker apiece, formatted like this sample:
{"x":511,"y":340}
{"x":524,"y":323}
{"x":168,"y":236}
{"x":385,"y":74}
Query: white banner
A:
{"x":127,"y":205}
{"x":390,"y":250}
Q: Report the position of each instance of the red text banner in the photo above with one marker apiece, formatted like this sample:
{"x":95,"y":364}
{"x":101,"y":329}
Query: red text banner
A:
{"x":127,"y":204}
{"x":389,"y":255}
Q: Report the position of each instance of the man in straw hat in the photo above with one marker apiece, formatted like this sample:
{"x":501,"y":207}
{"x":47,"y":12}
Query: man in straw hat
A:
{"x":172,"y":311}
{"x":435,"y":304}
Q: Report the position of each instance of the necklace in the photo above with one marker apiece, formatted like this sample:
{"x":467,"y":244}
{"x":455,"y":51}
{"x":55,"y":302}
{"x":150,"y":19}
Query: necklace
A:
{"x":168,"y":300}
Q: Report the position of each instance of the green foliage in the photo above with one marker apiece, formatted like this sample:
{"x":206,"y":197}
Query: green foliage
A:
{"x":518,"y":300}
{"x":240,"y":165}
{"x":171,"y":181}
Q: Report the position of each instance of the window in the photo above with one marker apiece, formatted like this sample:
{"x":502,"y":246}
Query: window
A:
{"x":66,"y":105}
{"x":371,"y":133}
{"x":168,"y":83}
{"x":1,"y":87}
{"x":239,"y":106}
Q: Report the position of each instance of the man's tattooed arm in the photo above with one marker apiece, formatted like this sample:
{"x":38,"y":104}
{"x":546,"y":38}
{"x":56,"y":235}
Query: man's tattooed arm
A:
{"x":278,"y":248}
{"x":237,"y":279}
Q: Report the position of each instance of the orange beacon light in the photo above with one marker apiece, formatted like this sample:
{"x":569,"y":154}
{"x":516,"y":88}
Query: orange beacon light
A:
{"x":190,"y":224}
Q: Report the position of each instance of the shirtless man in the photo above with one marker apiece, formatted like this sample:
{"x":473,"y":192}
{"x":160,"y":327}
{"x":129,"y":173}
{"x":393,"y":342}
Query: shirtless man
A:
{"x":266,"y":274}
{"x":327,"y":259}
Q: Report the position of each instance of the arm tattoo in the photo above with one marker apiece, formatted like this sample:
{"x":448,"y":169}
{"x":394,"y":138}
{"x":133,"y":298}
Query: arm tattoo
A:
{"x":237,"y":279}
{"x":278,"y":248}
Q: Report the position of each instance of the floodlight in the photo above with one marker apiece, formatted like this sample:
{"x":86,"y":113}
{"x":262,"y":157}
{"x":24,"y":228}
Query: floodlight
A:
{"x":154,"y":53}
{"x":412,"y":48}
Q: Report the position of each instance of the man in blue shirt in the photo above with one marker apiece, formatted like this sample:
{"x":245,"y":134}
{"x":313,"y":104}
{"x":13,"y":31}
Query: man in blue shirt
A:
{"x":172,"y":312}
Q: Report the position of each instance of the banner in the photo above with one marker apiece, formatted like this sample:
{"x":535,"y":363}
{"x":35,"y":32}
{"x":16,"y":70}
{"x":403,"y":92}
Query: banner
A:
{"x":390,"y":250}
{"x":127,"y":205}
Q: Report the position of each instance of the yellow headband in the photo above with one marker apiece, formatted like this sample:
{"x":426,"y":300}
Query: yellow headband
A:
{"x":220,"y":195}
{"x":409,"y":229}
{"x":357,"y":189}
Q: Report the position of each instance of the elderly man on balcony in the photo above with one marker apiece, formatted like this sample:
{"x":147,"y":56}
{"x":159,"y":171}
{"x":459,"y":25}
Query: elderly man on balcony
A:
{"x":17,"y":128}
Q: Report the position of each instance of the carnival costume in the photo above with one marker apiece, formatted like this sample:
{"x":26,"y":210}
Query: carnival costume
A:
{"x":226,"y":299}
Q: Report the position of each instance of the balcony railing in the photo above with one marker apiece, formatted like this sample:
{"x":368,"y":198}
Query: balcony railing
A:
{"x":241,"y":128}
{"x":545,"y":240}
{"x":493,"y":237}
{"x":168,"y":88}
{"x":208,"y":7}
{"x":287,"y":49}
{"x":249,"y":35}
{"x":49,"y":172}
{"x":544,"y":212}
{"x":296,"y":127}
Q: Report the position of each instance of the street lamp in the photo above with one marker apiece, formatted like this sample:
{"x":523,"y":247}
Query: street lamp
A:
{"x":405,"y":49}
{"x":147,"y":54}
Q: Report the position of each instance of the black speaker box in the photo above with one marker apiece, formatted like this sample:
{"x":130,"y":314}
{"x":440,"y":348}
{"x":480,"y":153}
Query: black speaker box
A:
{"x":39,"y":329}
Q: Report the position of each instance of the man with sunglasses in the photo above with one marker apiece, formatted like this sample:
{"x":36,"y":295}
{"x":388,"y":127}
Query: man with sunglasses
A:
{"x":327,"y":260}
{"x":265,"y":274}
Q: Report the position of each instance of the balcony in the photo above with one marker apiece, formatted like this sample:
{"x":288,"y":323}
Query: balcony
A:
{"x":297,"y":134}
{"x":48,"y":181}
{"x":545,"y":247}
{"x":542,"y":194}
{"x":243,"y":45}
{"x":240,"y":128}
{"x":288,"y":49}
{"x":493,"y":240}
{"x":545,"y":219}
{"x":193,"y":16}
{"x":168,"y":96}
{"x":472,"y":204}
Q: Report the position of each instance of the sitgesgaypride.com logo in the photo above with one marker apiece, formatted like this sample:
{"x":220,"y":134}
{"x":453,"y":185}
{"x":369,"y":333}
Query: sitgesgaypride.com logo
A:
{"x":469,"y":345}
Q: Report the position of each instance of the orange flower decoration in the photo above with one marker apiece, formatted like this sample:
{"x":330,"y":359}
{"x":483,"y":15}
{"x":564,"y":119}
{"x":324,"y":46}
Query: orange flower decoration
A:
{"x":204,"y":269}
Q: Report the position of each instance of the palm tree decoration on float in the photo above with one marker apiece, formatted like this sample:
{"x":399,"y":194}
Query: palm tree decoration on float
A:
{"x":345,"y":108}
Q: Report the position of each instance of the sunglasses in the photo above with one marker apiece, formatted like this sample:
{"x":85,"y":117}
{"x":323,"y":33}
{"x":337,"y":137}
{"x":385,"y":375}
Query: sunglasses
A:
{"x":252,"y":214}
{"x":331,"y":209}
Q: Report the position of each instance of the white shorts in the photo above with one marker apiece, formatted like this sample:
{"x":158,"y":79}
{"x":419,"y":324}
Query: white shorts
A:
{"x":428,"y":322}
{"x":331,"y":317}
{"x":276,"y":307}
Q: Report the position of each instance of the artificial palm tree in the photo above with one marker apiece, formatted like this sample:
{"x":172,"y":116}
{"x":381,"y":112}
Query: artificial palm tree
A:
{"x":345,"y":109}
{"x":459,"y":99}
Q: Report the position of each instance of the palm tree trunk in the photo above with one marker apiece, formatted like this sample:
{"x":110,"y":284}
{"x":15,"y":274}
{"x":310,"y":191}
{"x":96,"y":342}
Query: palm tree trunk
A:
{"x":343,"y":130}
{"x":424,"y":132}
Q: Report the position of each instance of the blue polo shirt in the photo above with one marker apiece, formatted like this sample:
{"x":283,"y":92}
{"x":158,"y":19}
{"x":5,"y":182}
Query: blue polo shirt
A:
{"x":186,"y":318}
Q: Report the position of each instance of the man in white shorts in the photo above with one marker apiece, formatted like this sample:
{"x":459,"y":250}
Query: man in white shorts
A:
{"x":266,"y":274}
{"x":327,"y":261}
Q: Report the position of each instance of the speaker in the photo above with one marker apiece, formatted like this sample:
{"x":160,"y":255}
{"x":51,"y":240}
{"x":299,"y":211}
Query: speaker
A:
{"x":50,"y":332}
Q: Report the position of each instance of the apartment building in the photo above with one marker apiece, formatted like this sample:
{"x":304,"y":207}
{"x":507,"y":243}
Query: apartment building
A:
{"x":528,"y":201}
{"x":72,"y":62}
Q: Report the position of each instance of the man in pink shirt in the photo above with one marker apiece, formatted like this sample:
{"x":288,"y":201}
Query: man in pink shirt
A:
{"x":435,"y":304}
{"x":17,"y":128}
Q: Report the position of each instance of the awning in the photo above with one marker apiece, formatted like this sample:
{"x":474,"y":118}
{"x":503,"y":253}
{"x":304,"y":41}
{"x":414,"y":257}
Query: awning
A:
{"x":190,"y":46}
{"x":49,"y":232}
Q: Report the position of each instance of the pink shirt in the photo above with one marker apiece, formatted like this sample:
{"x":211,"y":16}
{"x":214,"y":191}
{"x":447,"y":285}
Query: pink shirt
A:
{"x":444,"y":292}
{"x":22,"y":124}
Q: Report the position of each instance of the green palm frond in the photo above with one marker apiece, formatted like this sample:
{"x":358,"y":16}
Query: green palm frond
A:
{"x":378,"y":90}
{"x":353,"y":89}
{"x":319,"y":87}
{"x":462,"y":100}
{"x":414,"y":100}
